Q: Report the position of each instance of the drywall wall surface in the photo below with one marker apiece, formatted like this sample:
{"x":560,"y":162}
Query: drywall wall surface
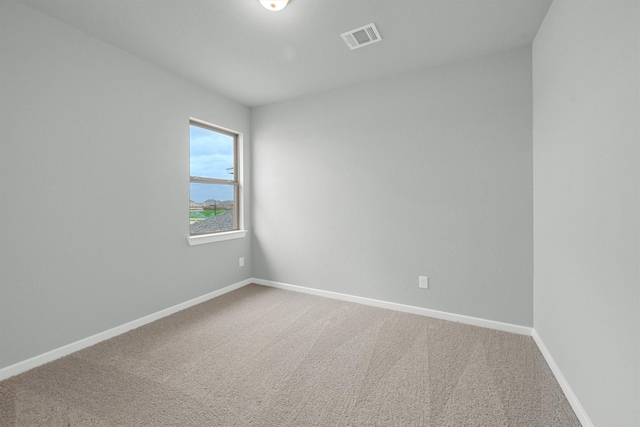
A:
{"x":361,"y":190}
{"x":94,"y":179}
{"x":586,"y":205}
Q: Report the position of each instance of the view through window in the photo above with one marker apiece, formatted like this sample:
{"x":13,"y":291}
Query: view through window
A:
{"x":213,"y":192}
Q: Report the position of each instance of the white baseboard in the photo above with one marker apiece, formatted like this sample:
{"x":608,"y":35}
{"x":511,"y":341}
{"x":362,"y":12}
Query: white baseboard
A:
{"x":475,"y":321}
{"x":52,"y":355}
{"x":566,"y":388}
{"x":507,"y":327}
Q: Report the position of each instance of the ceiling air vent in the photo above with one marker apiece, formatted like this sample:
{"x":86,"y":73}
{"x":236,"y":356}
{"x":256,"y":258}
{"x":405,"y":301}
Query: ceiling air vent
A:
{"x":361,"y":36}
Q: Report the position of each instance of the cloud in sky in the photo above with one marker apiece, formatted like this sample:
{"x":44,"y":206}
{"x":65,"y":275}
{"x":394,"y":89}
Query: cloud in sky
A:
{"x":211,"y":154}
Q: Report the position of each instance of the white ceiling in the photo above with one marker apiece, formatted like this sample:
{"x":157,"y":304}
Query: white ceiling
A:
{"x":256,"y":57}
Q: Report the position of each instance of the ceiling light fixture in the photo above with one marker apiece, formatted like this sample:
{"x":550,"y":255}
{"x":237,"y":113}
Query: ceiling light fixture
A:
{"x":274,"y":5}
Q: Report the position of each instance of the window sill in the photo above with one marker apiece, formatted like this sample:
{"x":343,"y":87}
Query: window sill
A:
{"x":218,"y":237}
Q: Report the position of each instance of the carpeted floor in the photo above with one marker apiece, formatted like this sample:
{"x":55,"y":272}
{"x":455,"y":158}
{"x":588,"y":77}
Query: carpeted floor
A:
{"x":266,"y":357}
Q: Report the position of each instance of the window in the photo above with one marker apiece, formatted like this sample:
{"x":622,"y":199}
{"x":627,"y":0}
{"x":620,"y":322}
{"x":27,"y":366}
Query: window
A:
{"x":214,"y":188}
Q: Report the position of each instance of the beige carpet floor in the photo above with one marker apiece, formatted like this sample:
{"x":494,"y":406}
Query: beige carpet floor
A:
{"x":266,"y":357}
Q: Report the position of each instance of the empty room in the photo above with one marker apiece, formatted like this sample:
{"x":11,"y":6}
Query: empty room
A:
{"x":320,"y":212}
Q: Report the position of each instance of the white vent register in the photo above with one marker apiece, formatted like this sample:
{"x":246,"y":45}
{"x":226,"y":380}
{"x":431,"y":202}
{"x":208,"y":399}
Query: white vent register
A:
{"x":362,"y":36}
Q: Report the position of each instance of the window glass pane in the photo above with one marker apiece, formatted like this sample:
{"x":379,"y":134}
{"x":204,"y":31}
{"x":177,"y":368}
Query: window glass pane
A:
{"x":211,"y":208}
{"x":211,"y":154}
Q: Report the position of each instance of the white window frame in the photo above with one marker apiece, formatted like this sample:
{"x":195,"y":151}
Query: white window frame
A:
{"x":238,"y":205}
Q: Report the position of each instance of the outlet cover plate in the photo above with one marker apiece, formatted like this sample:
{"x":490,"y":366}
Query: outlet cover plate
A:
{"x":423,"y":282}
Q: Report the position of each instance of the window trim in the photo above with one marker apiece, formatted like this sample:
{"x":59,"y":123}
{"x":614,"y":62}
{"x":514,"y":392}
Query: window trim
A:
{"x":238,"y":215}
{"x":201,"y":239}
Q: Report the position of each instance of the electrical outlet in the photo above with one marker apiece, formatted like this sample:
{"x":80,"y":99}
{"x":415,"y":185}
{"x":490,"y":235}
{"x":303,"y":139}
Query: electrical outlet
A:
{"x":241,"y":261}
{"x":423,"y":282}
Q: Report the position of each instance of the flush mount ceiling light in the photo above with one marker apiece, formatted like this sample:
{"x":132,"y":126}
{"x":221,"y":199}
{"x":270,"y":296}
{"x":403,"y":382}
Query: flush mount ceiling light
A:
{"x":274,"y":5}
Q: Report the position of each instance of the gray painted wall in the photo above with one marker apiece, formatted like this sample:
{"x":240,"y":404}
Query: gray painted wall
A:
{"x":586,"y":204}
{"x":93,"y":138}
{"x":362,"y":189}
